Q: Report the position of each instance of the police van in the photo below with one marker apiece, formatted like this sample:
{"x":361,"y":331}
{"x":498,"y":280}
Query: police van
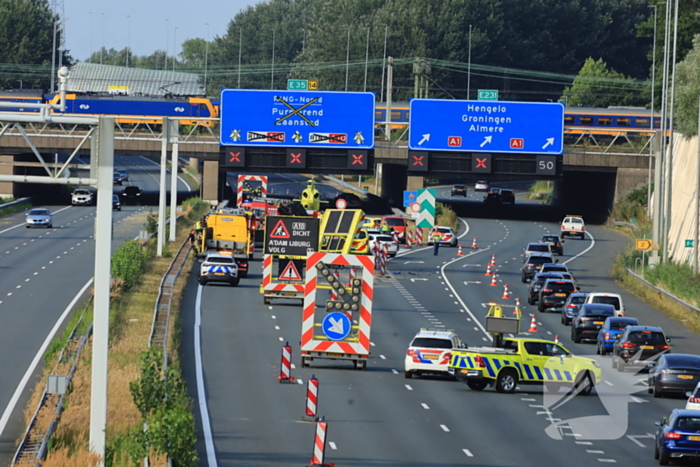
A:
{"x":218,"y":267}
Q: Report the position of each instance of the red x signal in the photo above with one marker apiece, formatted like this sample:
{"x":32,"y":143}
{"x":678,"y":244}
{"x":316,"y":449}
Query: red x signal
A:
{"x":234,"y":156}
{"x":481,"y":163}
{"x":296,"y":158}
{"x":418,"y":160}
{"x":357,"y":159}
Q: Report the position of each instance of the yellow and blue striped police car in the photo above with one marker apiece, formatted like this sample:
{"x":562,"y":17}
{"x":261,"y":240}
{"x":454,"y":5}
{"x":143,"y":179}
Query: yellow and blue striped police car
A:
{"x":524,"y":361}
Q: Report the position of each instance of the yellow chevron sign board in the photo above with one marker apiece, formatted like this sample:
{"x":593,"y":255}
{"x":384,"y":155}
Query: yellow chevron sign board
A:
{"x":644,"y":244}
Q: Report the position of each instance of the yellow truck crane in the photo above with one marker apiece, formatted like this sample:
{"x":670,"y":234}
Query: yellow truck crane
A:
{"x":230,"y":232}
{"x":514,"y":361}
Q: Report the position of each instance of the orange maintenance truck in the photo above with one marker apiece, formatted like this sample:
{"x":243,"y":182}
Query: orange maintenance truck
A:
{"x":230,"y":232}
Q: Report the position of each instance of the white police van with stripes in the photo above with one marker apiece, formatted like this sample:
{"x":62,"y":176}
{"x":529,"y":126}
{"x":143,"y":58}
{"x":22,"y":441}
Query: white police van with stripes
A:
{"x":218,"y":267}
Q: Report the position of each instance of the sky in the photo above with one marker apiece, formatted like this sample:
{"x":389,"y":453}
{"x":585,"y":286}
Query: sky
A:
{"x":149,"y":28}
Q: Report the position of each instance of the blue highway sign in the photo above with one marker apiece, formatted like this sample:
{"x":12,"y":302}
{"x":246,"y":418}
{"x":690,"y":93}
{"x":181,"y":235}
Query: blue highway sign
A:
{"x":336,"y":326}
{"x":409,"y":197}
{"x":479,"y":126}
{"x":305,"y":119}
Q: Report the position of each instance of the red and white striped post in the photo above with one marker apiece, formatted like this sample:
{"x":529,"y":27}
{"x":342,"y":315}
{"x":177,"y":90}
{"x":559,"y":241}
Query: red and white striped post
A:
{"x":311,"y":400}
{"x":419,"y":236}
{"x":409,"y":239}
{"x":286,"y":365}
{"x":320,"y":445}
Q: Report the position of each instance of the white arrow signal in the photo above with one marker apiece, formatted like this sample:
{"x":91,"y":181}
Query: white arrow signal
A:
{"x":336,"y":326}
{"x":426,"y":137}
{"x":486,"y":140}
{"x":550,"y":141}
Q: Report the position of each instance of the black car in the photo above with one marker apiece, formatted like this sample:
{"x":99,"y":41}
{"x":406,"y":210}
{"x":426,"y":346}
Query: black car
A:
{"x":507,"y":196}
{"x":674,"y":373}
{"x":533,"y":290}
{"x":638,"y":345}
{"x":131,"y":193}
{"x":554,"y":243}
{"x":459,"y":190}
{"x":116,"y":203}
{"x":492,"y":198}
{"x":533,"y":264}
{"x":554,"y":293}
{"x":589,"y":320}
{"x":571,"y":306}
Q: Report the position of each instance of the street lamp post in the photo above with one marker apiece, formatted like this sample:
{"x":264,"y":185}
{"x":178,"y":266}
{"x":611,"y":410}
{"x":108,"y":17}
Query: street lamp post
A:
{"x":469,"y":63}
{"x":651,"y":125}
{"x":128,"y":40}
{"x":174,"y":47}
{"x":90,"y":59}
{"x":240,"y":42}
{"x":671,"y":145}
{"x":206,"y":59}
{"x":364,"y":88}
{"x":381,"y":93}
{"x":272,"y":73}
{"x":167,"y":43}
{"x":347,"y":61}
{"x":53,"y":58}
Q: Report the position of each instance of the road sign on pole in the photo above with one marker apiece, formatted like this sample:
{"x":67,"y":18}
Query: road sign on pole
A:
{"x":336,"y":326}
{"x":488,"y":95}
{"x":497,"y":127}
{"x":304,"y":119}
{"x":426,"y":217}
{"x":409,"y":197}
{"x":644,"y":244}
{"x":297,"y":85}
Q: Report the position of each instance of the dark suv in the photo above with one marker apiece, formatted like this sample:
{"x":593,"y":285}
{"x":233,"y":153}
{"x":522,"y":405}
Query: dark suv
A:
{"x":507,"y":196}
{"x":554,"y":293}
{"x":639,"y":345}
{"x":459,"y":190}
{"x":590,"y":318}
{"x":533,"y":264}
{"x":492,"y":198}
{"x":533,"y":291}
{"x":554,"y":243}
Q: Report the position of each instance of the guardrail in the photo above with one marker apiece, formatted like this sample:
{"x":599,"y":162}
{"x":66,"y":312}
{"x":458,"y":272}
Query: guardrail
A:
{"x":35,"y":440}
{"x":662,"y":291}
{"x":15,"y":202}
{"x":625,"y":224}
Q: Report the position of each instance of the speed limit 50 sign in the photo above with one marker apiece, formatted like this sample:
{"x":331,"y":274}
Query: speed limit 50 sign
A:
{"x":546,"y":165}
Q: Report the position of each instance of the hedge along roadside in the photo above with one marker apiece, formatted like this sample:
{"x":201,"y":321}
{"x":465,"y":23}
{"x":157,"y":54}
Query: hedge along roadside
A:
{"x":131,"y":316}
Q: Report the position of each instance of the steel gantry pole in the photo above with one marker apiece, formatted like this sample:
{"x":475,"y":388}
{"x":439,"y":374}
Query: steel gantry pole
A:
{"x":664,"y":127}
{"x":206,"y":59}
{"x":272,"y":75}
{"x":103,"y":248}
{"x":651,"y":124}
{"x":347,"y":61}
{"x":669,"y":175}
{"x":162,"y":199}
{"x":240,"y":41}
{"x":174,"y":132}
{"x":386,"y":31}
{"x":469,"y":63}
{"x":364,"y":87}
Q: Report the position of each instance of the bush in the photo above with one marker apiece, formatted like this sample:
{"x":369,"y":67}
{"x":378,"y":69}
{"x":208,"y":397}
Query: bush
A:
{"x":151,"y":223}
{"x":128,"y":262}
{"x":444,"y":215}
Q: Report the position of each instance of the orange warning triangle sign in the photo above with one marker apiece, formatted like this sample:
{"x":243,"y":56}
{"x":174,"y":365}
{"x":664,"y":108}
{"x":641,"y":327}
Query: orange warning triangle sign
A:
{"x":280,"y":230}
{"x":290,"y":273}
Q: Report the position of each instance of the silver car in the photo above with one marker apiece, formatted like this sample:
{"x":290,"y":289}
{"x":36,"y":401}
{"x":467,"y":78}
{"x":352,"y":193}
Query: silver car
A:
{"x":380,"y":239}
{"x":39,"y":217}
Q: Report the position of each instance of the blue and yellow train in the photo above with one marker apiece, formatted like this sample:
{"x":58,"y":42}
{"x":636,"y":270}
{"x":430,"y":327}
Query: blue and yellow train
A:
{"x":137,"y":109}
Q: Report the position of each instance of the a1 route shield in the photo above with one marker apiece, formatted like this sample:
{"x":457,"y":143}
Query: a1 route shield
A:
{"x":336,"y":326}
{"x":304,"y":119}
{"x":492,"y":127}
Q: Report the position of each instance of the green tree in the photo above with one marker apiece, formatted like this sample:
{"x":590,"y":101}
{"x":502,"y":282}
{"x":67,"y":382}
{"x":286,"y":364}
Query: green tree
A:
{"x":688,"y":91}
{"x":596,"y":85}
{"x":193,"y":54}
{"x":26,"y":35}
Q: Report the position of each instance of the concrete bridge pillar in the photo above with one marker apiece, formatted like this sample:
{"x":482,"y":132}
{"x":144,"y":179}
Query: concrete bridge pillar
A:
{"x":210,"y":189}
{"x":7,"y":189}
{"x":393,"y":183}
{"x":628,"y":180}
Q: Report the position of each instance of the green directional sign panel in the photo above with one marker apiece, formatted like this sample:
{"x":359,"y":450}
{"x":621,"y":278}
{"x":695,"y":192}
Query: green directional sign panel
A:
{"x":488,"y":94}
{"x":689,"y":243}
{"x":297,"y":84}
{"x":426,"y":216}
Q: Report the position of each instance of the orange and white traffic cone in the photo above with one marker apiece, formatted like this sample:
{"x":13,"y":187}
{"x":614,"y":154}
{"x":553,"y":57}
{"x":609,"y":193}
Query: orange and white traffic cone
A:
{"x":474,"y":243}
{"x":493,"y":261}
{"x":506,"y":293}
{"x":493,"y":281}
{"x":533,"y":325}
{"x":556,"y":339}
{"x":517,"y":312}
{"x":459,"y":251}
{"x":488,"y":271}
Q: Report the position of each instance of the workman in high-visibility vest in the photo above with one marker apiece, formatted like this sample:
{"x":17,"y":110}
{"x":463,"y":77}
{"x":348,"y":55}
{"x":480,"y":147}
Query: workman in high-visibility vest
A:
{"x":385,"y":229}
{"x":436,"y":237}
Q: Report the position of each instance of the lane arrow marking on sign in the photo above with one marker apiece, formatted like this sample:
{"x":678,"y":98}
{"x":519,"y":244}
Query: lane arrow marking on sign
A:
{"x":486,"y":140}
{"x":426,"y":137}
{"x":336,"y":326}
{"x":550,"y":141}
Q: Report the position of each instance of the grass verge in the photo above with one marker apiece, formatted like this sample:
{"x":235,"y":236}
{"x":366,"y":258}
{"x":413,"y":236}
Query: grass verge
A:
{"x":15,"y":209}
{"x":131,"y":314}
{"x":541,"y":189}
{"x":444,"y":215}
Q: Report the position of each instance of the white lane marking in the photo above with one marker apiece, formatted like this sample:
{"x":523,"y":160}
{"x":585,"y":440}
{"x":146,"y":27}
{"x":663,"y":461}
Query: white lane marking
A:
{"x":43,"y":267}
{"x":608,"y":383}
{"x":19,"y":286}
{"x":408,"y":386}
{"x":484,"y":339}
{"x":26,"y":280}
{"x":300,"y":381}
{"x":467,"y":452}
{"x":273,"y":317}
{"x":445,"y":429}
{"x":476,"y":328}
{"x":584,"y":443}
{"x":36,"y":273}
{"x":9,"y":294}
{"x":425,"y":406}
{"x":527,"y":399}
{"x":395,"y":371}
{"x":638,"y":400}
{"x":281,"y":339}
{"x":372,"y":344}
{"x":37,"y":358}
{"x":277,"y":328}
{"x":382,"y":357}
{"x":293,"y":366}
{"x":201,"y":394}
{"x":594,"y":451}
{"x":584,"y":251}
{"x":332,"y":445}
{"x":610,"y":461}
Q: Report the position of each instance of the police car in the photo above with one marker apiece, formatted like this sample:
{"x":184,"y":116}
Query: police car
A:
{"x":447,"y":236}
{"x":430,"y":352}
{"x":218,"y":268}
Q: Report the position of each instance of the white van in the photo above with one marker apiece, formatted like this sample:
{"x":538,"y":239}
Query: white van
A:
{"x":608,"y":298}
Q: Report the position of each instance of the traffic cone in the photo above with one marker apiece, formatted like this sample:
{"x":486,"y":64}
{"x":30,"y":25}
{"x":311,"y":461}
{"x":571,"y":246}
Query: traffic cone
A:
{"x":459,"y":251}
{"x":493,"y":281}
{"x":556,"y":339}
{"x":474,"y":243}
{"x":533,"y":325}
{"x":488,"y":271}
{"x":506,"y":293}
{"x":493,"y":261}
{"x":517,"y":312}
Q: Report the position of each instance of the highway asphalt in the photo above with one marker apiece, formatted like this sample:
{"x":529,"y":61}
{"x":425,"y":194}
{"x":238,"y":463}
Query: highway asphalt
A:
{"x":377,"y":417}
{"x":43,"y":270}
